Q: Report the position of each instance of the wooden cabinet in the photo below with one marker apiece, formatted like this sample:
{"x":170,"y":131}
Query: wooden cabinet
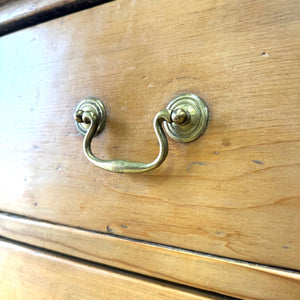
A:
{"x":220,"y":210}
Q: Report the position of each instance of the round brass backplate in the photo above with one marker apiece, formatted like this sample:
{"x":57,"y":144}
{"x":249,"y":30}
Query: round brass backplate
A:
{"x":95,"y":106}
{"x":197,"y":120}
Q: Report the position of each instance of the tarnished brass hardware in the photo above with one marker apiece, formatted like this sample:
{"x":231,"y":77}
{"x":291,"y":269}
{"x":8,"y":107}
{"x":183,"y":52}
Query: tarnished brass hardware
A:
{"x":195,"y":123}
{"x":183,"y":112}
{"x":94,"y":106}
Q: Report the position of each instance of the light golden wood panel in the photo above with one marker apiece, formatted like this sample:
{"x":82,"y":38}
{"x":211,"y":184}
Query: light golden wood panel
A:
{"x":224,"y":276}
{"x":234,"y":192}
{"x":27,"y":273}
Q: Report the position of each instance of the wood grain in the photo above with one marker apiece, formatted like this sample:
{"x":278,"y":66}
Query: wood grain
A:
{"x":19,"y":14}
{"x":234,"y":192}
{"x":27,"y":273}
{"x":224,"y":276}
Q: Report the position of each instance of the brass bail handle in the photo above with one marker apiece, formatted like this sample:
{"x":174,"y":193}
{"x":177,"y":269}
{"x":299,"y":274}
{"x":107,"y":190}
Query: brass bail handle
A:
{"x":185,"y":119}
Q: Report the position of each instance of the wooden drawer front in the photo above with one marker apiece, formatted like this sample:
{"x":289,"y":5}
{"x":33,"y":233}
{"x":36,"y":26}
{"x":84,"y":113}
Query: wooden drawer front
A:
{"x":27,"y":273}
{"x":230,"y":277}
{"x":234,"y":192}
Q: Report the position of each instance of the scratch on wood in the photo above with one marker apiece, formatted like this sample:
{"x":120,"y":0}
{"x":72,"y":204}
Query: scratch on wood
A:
{"x":198,"y":163}
{"x":108,"y":229}
{"x":221,"y":234}
{"x":259,"y":162}
{"x":286,"y":247}
{"x":98,"y":62}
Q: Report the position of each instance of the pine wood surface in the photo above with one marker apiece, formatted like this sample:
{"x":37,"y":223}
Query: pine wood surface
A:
{"x":230,"y":277}
{"x":27,"y":273}
{"x":234,"y":192}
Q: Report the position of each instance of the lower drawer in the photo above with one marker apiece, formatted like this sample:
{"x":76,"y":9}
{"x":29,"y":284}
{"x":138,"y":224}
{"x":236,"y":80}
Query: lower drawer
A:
{"x":27,"y":273}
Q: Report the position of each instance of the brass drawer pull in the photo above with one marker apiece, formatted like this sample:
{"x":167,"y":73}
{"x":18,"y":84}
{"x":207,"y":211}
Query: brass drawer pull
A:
{"x":185,"y":117}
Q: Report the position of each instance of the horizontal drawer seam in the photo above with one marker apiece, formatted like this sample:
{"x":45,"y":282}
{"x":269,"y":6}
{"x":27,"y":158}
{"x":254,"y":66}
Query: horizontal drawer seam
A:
{"x":199,"y":270}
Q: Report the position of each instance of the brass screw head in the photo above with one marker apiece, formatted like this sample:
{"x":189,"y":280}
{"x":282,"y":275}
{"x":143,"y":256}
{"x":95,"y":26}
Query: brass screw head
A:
{"x":179,"y":116}
{"x":78,"y":116}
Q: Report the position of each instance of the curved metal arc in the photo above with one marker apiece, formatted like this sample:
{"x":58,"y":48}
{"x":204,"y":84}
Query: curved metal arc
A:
{"x":125,"y":166}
